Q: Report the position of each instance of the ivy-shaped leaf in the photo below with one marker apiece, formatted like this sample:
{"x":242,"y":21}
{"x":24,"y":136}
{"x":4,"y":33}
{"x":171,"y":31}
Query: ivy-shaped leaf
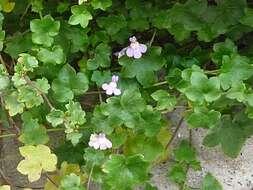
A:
{"x":164,"y":100}
{"x":80,"y":15}
{"x":37,"y":158}
{"x":43,"y":30}
{"x":133,"y":170}
{"x":198,"y":87}
{"x":112,"y":23}
{"x":18,"y":44}
{"x":247,"y":19}
{"x":234,"y":69}
{"x":210,"y":183}
{"x":101,"y":58}
{"x":231,"y":134}
{"x":32,"y":133}
{"x":69,"y":83}
{"x":103,"y":5}
{"x":53,"y":56}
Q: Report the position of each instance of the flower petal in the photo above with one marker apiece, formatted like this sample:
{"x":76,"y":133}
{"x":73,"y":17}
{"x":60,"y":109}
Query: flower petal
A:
{"x":130,"y":52}
{"x":143,"y":48}
{"x":117,"y":91}
{"x":105,"y":86}
{"x":137,"y":54}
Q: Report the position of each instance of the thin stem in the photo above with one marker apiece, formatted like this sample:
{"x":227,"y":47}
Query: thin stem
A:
{"x":213,"y":72}
{"x":25,"y":12}
{"x":89,"y":179}
{"x":48,"y":130}
{"x":55,"y":129}
{"x":3,"y":63}
{"x":158,"y":84}
{"x":100,"y":95}
{"x":94,"y":92}
{"x":152,"y":39}
{"x":41,"y":16}
{"x":49,"y":178}
{"x":29,"y":82}
{"x":175,"y":132}
{"x":8,"y":135}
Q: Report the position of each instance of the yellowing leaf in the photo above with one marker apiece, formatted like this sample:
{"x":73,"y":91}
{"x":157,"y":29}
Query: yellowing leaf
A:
{"x":5,"y":187}
{"x":66,"y":169}
{"x":37,"y":158}
{"x":7,"y":6}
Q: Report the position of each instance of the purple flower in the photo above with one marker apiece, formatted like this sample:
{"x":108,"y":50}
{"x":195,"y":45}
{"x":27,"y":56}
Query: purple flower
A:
{"x":111,"y":88}
{"x":100,"y":141}
{"x":135,"y":49}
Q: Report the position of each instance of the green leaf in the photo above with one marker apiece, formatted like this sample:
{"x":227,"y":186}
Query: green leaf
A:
{"x":80,"y":15}
{"x":19,"y":43}
{"x":210,"y":183}
{"x":94,"y":157}
{"x":144,"y":68}
{"x":4,"y":78}
{"x":223,"y":48}
{"x":102,"y":57}
{"x":231,"y":134}
{"x":37,"y":159}
{"x":103,"y":5}
{"x":63,"y":7}
{"x":150,"y":148}
{"x":69,"y":83}
{"x":12,"y":105}
{"x":44,"y":30}
{"x":55,"y":117}
{"x":186,"y":153}
{"x":77,"y":37}
{"x":37,"y":5}
{"x":29,"y":96}
{"x":101,"y":77}
{"x":71,"y":182}
{"x":132,"y":101}
{"x":198,"y":88}
{"x":53,"y":56}
{"x":203,"y":118}
{"x":112,"y":23}
{"x":75,"y":113}
{"x":182,"y":19}
{"x":234,"y":70}
{"x":74,"y":137}
{"x":42,"y":85}
{"x":133,"y":170}
{"x":26,"y":63}
{"x":32,"y":133}
{"x":177,"y":174}
{"x":247,"y":19}
{"x":164,"y":100}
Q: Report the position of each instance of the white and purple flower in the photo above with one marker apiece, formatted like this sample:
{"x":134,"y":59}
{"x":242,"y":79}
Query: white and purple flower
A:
{"x":111,"y":88}
{"x":99,"y":141}
{"x":135,"y":49}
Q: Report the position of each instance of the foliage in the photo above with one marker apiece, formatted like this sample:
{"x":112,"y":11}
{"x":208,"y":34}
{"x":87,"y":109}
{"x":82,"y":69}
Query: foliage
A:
{"x":58,"y":58}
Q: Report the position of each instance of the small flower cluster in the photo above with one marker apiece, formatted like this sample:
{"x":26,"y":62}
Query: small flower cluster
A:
{"x":99,"y":141}
{"x":135,"y":49}
{"x":111,"y":88}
